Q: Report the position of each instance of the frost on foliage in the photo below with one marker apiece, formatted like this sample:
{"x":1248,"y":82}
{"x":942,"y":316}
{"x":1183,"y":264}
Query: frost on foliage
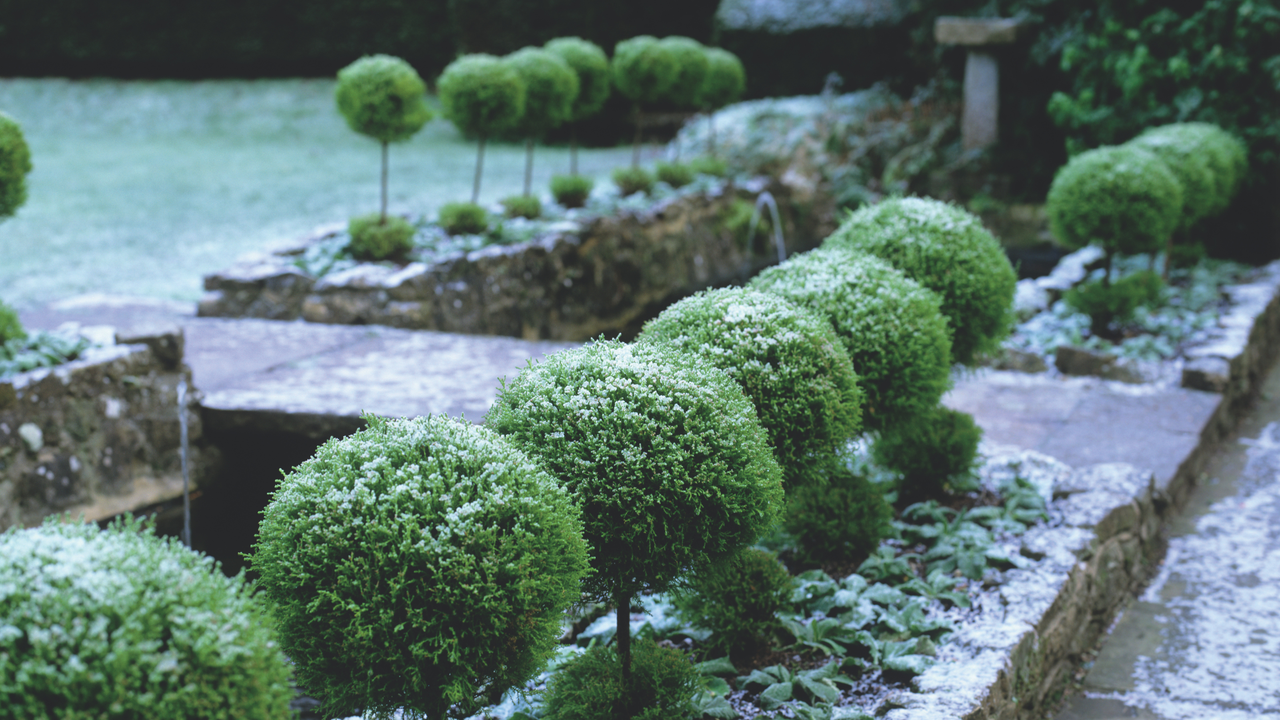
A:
{"x":784,"y":16}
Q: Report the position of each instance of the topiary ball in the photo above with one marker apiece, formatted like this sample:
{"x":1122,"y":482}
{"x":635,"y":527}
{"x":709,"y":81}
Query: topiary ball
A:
{"x":10,"y":326}
{"x":550,"y":89}
{"x":892,"y":327}
{"x":1122,"y":197}
{"x":644,"y":69}
{"x":592,"y":67}
{"x":738,"y":599}
{"x":481,"y":94}
{"x":418,"y":564}
{"x":633,"y":180}
{"x":121,"y":623}
{"x":382,"y":96}
{"x":940,"y":445}
{"x":842,"y":519}
{"x":1191,"y":167}
{"x":571,"y":191}
{"x":947,"y":250}
{"x":725,"y":81}
{"x":375,"y":238}
{"x":589,"y":687}
{"x":524,"y":206}
{"x":1224,"y":154}
{"x":662,"y":452}
{"x":691,"y":70}
{"x":15,"y":164}
{"x":463,"y":218}
{"x":787,"y":359}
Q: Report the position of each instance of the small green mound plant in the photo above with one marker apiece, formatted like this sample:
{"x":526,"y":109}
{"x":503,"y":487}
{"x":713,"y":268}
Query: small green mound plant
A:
{"x":482,"y":96}
{"x":15,"y":165}
{"x":692,"y":64}
{"x":891,"y":326}
{"x":644,"y":70}
{"x":1123,"y":198}
{"x":662,"y":452}
{"x":571,"y":191}
{"x":550,"y":86}
{"x":377,"y":237}
{"x":675,"y":174}
{"x":122,"y":623}
{"x":1223,"y":153}
{"x":525,"y":206}
{"x":947,"y":250}
{"x":842,"y":518}
{"x":632,"y":180}
{"x":738,"y":599}
{"x":460,"y":218}
{"x":724,"y":83}
{"x":707,"y":165}
{"x":591,"y":686}
{"x":10,"y":326}
{"x":594,"y":84}
{"x":382,"y":96}
{"x":932,"y":453}
{"x":1117,"y":302}
{"x":419,"y":564}
{"x":787,"y":359}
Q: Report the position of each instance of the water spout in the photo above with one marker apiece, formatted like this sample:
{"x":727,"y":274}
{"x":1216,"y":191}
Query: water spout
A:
{"x":186,"y":476}
{"x":765,"y":198}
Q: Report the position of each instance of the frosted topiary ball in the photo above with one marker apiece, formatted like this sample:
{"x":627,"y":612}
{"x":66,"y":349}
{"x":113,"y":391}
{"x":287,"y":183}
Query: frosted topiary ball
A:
{"x":550,"y":85}
{"x":382,"y":96}
{"x":592,"y":67}
{"x":481,"y":94}
{"x":1226,"y":157}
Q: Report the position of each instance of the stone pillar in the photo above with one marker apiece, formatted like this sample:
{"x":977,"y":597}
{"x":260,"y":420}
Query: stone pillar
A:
{"x":980,"y":126}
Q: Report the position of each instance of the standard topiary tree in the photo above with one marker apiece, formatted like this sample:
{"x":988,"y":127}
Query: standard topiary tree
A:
{"x":892,"y":327}
{"x":551,"y":86}
{"x":643,"y":71}
{"x":1123,"y":198}
{"x":1190,"y":165}
{"x":724,"y":83}
{"x":592,"y":67}
{"x":1223,"y":153}
{"x":691,"y":71}
{"x":787,"y":359}
{"x":482,"y":96}
{"x":947,"y":250}
{"x":121,"y":623}
{"x":15,"y":164}
{"x":662,"y":452}
{"x":418,"y":564}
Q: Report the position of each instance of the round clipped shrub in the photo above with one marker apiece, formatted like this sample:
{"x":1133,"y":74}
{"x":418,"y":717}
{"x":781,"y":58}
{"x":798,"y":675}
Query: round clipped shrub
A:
{"x":463,"y":218}
{"x":1123,"y":198}
{"x":374,"y":237}
{"x":1191,"y":167}
{"x":571,"y":191}
{"x":738,"y":599}
{"x":662,"y":452}
{"x":644,"y":69}
{"x":550,"y":85}
{"x":525,"y":206}
{"x":418,"y":564}
{"x":725,"y":80}
{"x":382,"y":96}
{"x":691,"y":70}
{"x":592,"y":67}
{"x":707,"y":165}
{"x":15,"y":164}
{"x":482,"y":96}
{"x":675,"y":174}
{"x":787,"y":359}
{"x":939,"y":446}
{"x":632,"y":180}
{"x":843,"y":518}
{"x":590,"y":686}
{"x":10,"y":326}
{"x":121,"y":623}
{"x":892,"y":327}
{"x":947,"y":250}
{"x":1223,"y":153}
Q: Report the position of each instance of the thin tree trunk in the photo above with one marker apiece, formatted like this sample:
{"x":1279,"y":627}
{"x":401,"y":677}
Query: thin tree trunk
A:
{"x":383,"y":219}
{"x":624,"y":648}
{"x":475,"y":187}
{"x":711,"y":119}
{"x":573,"y":149}
{"x":635,"y":147}
{"x":1106,"y":277}
{"x":528,"y":165}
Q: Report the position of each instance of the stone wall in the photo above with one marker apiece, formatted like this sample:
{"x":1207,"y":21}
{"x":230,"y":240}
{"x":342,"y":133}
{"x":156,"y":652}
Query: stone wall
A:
{"x":98,"y":436}
{"x":607,"y":276}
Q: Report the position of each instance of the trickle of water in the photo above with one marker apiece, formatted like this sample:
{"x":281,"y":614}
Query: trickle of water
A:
{"x":766,"y":198}
{"x":186,"y":478}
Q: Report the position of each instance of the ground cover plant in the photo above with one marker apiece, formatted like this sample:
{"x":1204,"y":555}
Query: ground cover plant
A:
{"x":21,"y":351}
{"x":122,"y":623}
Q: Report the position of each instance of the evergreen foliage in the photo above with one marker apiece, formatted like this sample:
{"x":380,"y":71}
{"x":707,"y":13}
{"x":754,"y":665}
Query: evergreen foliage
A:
{"x":707,"y":165}
{"x":692,"y":64}
{"x":947,"y":250}
{"x":525,"y":206}
{"x":15,"y":164}
{"x":941,"y":445}
{"x":644,"y":70}
{"x":675,"y":174}
{"x":418,"y":564}
{"x":461,"y":218}
{"x":1225,"y":156}
{"x":10,"y":326}
{"x":787,"y":359}
{"x":738,"y":599}
{"x":590,"y":686}
{"x":725,"y":81}
{"x":382,"y":97}
{"x":591,"y":65}
{"x":571,"y":191}
{"x":376,"y":238}
{"x":551,"y":86}
{"x":842,"y":518}
{"x":121,"y":623}
{"x":632,"y":180}
{"x":1117,"y":302}
{"x":482,"y":96}
{"x":891,"y":326}
{"x":1190,"y":165}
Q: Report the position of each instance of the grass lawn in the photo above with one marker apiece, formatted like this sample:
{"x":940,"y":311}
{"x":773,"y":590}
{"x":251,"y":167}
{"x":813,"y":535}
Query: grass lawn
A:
{"x":142,"y":187}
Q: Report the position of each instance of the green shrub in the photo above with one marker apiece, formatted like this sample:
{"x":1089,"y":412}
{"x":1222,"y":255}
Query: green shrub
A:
{"x":571,"y":191}
{"x":592,"y":67}
{"x":1117,"y":302}
{"x":10,"y":326}
{"x":419,"y":564}
{"x":1123,"y":198}
{"x":482,"y":96}
{"x":121,"y":623}
{"x":632,"y":180}
{"x":787,"y":359}
{"x":550,"y":88}
{"x":644,"y":69}
{"x":525,"y":206}
{"x":947,"y":250}
{"x":738,"y":599}
{"x":937,"y":447}
{"x":589,"y":687}
{"x":15,"y":164}
{"x":725,"y":81}
{"x":891,"y":326}
{"x":382,"y":97}
{"x":843,"y":518}
{"x":675,"y":174}
{"x":463,"y":218}
{"x":374,"y":237}
{"x":1189,"y":164}
{"x":692,"y":64}
{"x":707,"y":165}
{"x":1225,"y":159}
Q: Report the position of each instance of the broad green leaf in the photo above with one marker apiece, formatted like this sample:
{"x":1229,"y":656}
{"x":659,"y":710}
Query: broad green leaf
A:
{"x":719,"y":666}
{"x":774,"y":696}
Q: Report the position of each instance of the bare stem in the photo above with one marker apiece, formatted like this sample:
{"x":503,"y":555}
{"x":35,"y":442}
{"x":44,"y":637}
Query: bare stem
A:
{"x":528,"y":165}
{"x":383,"y":218}
{"x":475,"y":187}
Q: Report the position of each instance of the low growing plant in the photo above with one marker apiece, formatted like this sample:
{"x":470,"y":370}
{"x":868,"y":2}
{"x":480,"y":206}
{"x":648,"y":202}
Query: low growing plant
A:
{"x":675,"y":174}
{"x":591,"y":685}
{"x":708,"y":165}
{"x":738,"y":599}
{"x":1118,"y":302}
{"x":463,"y":218}
{"x":418,"y":564}
{"x":932,"y":453}
{"x":377,"y":237}
{"x":122,"y":623}
{"x":23,"y":352}
{"x":525,"y":206}
{"x":15,"y":165}
{"x":633,"y":180}
{"x":10,"y":326}
{"x":571,"y":191}
{"x":843,"y":518}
